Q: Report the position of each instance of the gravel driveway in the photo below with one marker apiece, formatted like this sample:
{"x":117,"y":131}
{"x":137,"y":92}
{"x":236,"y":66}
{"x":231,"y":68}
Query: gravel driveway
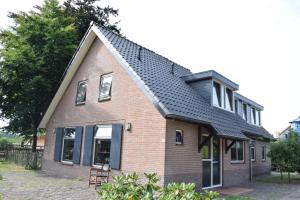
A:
{"x":27,"y":185}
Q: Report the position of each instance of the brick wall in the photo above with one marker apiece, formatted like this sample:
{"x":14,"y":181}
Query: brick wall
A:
{"x":143,"y":149}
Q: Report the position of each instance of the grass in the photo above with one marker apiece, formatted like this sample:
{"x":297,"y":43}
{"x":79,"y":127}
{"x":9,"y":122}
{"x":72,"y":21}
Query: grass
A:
{"x":7,"y":166}
{"x":277,"y":179}
{"x":237,"y":198}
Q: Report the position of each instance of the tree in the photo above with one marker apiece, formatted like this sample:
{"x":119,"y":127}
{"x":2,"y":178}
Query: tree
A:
{"x":285,"y":155}
{"x":35,"y":52}
{"x":85,"y":11}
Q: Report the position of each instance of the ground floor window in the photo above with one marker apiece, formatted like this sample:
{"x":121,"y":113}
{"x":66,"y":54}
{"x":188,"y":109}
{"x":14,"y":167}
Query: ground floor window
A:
{"x":68,"y":144}
{"x":102,"y":143}
{"x":237,"y":152}
{"x":263,"y":153}
{"x":179,"y":137}
{"x":252,"y":153}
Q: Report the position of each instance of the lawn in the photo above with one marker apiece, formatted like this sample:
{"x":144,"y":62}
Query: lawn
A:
{"x":295,"y":178}
{"x":10,"y":167}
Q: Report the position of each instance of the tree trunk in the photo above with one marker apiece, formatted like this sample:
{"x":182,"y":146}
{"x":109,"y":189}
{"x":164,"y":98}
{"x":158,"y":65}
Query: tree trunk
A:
{"x":34,"y":141}
{"x":289,"y":176}
{"x":281,"y":175}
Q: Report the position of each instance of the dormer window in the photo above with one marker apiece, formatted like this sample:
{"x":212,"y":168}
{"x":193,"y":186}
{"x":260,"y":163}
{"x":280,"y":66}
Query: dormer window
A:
{"x":255,"y":116}
{"x":244,"y":111}
{"x":228,"y":99}
{"x":217,"y":94}
{"x":222,"y":96}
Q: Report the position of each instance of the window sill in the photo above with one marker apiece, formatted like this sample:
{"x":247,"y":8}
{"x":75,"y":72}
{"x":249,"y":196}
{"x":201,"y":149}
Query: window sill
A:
{"x":179,"y":144}
{"x":105,"y":99}
{"x":80,"y":104}
{"x":67,"y":163}
{"x":237,"y":162}
{"x":263,"y":160}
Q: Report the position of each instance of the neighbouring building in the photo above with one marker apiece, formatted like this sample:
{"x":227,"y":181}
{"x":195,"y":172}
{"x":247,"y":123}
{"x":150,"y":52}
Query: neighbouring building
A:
{"x":123,"y":104}
{"x":294,"y":126}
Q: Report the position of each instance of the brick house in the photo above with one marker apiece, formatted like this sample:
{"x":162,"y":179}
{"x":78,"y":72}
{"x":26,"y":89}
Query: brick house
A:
{"x":123,"y":104}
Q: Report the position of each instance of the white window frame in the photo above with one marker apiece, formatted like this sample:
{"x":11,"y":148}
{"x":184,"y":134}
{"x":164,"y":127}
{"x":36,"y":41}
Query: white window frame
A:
{"x":238,"y":161}
{"x":78,"y":85}
{"x":102,"y":77}
{"x":223,"y":96}
{"x":245,"y":115}
{"x":232,"y":99}
{"x":99,"y":138}
{"x":253,"y":159}
{"x":63,"y":144}
{"x":181,"y":131}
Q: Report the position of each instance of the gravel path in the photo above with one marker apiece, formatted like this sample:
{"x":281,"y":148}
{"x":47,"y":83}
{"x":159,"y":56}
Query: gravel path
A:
{"x":268,"y":191}
{"x":30,"y":185}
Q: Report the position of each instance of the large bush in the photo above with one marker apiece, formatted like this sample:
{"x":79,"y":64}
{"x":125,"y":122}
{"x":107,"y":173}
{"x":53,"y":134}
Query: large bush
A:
{"x":129,"y":187}
{"x":4,"y":144}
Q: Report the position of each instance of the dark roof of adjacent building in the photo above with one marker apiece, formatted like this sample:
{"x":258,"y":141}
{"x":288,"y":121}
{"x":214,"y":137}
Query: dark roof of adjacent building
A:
{"x":173,"y":96}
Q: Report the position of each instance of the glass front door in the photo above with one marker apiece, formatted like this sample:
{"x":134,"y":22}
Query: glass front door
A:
{"x":211,"y":162}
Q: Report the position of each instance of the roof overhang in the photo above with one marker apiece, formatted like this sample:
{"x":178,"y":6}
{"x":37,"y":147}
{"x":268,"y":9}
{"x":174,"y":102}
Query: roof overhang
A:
{"x":211,"y":74}
{"x":249,"y":101}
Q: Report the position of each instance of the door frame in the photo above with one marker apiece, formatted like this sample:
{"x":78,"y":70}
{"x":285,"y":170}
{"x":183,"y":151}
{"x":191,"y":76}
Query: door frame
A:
{"x":211,"y":163}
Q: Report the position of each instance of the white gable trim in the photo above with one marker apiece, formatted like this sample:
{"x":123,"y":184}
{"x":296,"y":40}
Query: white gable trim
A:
{"x":75,"y":63}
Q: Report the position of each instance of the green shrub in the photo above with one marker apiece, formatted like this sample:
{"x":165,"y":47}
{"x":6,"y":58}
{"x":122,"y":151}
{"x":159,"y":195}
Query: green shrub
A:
{"x":128,"y":187}
{"x":1,"y":177}
{"x":4,"y":143}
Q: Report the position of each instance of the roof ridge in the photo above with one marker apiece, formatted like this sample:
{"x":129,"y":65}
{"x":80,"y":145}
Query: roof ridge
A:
{"x":124,"y":37}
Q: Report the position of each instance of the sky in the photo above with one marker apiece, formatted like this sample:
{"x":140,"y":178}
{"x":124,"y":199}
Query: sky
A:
{"x":255,"y":43}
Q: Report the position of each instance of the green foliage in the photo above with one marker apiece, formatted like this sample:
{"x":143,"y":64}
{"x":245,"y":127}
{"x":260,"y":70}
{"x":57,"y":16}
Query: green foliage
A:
{"x":1,"y":177}
{"x":4,"y":144}
{"x":85,"y":11}
{"x":128,"y":187}
{"x":34,"y":54}
{"x":285,"y":154}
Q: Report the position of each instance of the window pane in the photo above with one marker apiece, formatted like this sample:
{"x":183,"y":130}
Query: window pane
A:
{"x":216,"y":149}
{"x":240,"y":151}
{"x":217,"y":94}
{"x":257,"y":117}
{"x":81,"y":92}
{"x":245,"y":112}
{"x":233,"y":152}
{"x":253,"y":119}
{"x":228,"y":99}
{"x":102,"y":151}
{"x":105,"y":87}
{"x":236,"y":106}
{"x":206,"y":148}
{"x":68,"y":144}
{"x":206,"y":179}
{"x":179,"y":137}
{"x":68,"y":150}
{"x":252,"y":153}
{"x":263,"y":156}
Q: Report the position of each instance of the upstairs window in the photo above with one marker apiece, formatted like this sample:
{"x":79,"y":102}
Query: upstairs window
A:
{"x":105,"y":87}
{"x":245,"y":111}
{"x":237,"y":152}
{"x":68,"y":144}
{"x":217,"y":94}
{"x":228,"y":99}
{"x":236,"y":106}
{"x":253,"y":116}
{"x":81,"y":92}
{"x":257,"y":117}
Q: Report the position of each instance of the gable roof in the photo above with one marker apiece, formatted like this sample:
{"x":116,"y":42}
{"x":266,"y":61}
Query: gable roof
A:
{"x":160,"y":80}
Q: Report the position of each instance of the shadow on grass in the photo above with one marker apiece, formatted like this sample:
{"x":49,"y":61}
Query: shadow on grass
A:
{"x":295,"y":179}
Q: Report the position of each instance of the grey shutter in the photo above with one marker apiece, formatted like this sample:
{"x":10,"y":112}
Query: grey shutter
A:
{"x":88,"y":145}
{"x":58,"y":143}
{"x":77,"y":145}
{"x":115,"y":147}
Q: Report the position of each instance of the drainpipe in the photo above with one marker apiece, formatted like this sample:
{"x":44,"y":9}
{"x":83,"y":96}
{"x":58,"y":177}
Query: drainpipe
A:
{"x":251,"y":144}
